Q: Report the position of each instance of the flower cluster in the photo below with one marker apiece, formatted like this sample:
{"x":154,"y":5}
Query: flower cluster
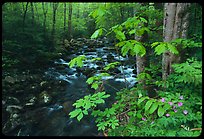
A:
{"x":179,"y":104}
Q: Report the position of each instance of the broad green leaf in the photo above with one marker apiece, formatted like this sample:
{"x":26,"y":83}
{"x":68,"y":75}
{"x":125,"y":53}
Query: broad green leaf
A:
{"x":87,"y":105}
{"x":166,"y":107}
{"x":160,"y":111}
{"x":85,"y":112}
{"x":153,"y":107}
{"x":80,"y":116}
{"x":105,"y":96}
{"x":79,"y":63}
{"x":154,"y":44}
{"x":143,"y":19}
{"x":94,"y":85}
{"x":74,"y":113}
{"x":90,"y":80}
{"x":132,"y":32}
{"x":161,"y":48}
{"x":142,"y":99}
{"x":97,"y":33}
{"x":99,"y":101}
{"x":139,"y":115}
{"x":72,"y":63}
{"x":121,"y":43}
{"x":120,"y":35}
{"x":172,"y":48}
{"x":148,"y":104}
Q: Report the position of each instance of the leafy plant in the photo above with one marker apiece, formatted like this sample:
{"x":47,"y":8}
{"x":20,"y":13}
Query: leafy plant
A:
{"x":78,"y":61}
{"x":88,"y":102}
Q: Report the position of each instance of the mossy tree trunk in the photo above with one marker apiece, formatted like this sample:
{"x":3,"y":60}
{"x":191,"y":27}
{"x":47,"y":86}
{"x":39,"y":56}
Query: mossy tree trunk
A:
{"x":175,"y":26}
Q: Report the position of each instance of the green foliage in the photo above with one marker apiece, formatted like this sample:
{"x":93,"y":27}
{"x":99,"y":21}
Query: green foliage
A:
{"x":78,"y":61}
{"x":132,"y":46}
{"x":97,"y":33}
{"x":88,"y":102}
{"x":96,"y":80}
{"x":188,"y":72}
{"x":111,"y":65}
{"x":161,"y":47}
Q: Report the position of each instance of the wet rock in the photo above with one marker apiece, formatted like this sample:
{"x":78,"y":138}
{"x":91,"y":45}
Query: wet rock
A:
{"x":110,"y":58}
{"x":13,"y":108}
{"x":10,"y":79}
{"x":31,"y":102}
{"x":134,"y":71}
{"x":44,"y":97}
{"x":12,"y":100}
{"x":67,"y":107}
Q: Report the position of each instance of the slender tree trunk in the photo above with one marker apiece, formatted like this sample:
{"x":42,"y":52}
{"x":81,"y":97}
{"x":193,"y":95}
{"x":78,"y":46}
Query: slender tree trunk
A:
{"x":44,"y":21}
{"x":122,"y":13}
{"x":55,"y":5}
{"x":78,"y":10}
{"x":37,"y":14}
{"x":32,"y":10}
{"x":24,"y":16}
{"x":65,"y":17}
{"x":70,"y":22}
{"x":175,"y":26}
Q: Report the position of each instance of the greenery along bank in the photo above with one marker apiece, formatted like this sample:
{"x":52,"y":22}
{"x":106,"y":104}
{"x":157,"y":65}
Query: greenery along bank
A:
{"x":175,"y":109}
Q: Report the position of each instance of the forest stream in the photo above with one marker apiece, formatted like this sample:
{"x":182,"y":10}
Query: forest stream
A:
{"x":46,"y":113}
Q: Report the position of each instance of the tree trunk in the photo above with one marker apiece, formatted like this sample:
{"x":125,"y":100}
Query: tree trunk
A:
{"x":70,"y":22}
{"x":64,"y":18}
{"x":44,"y":21}
{"x":175,"y":26}
{"x":32,"y":10}
{"x":37,"y":14}
{"x":24,"y":16}
{"x":55,"y":5}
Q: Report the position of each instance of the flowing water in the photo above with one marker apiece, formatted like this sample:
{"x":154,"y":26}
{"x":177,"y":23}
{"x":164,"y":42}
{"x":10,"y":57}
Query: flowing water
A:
{"x":53,"y":120}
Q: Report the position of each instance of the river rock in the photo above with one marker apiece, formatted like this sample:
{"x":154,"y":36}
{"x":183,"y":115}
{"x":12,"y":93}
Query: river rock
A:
{"x":10,"y":79}
{"x":44,"y":98}
{"x":67,"y":107}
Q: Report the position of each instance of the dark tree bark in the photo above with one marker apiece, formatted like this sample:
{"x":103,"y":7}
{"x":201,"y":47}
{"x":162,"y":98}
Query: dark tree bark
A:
{"x":70,"y":22}
{"x":54,"y":6}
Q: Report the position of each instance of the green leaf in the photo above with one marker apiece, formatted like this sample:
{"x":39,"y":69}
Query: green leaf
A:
{"x":132,"y":32}
{"x":72,"y":63}
{"x":74,"y":113}
{"x":105,"y":96}
{"x":141,"y":99}
{"x":148,"y":104}
{"x":154,"y":44}
{"x":87,"y":105}
{"x":172,"y":48}
{"x":120,"y":35}
{"x":166,"y":107}
{"x":99,"y":101}
{"x":160,"y":111}
{"x":90,"y":80}
{"x":80,"y":116}
{"x":85,"y":112}
{"x":153,"y":107}
{"x":94,"y":85}
{"x":97,"y":33}
{"x":139,"y":115}
{"x":161,"y":48}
